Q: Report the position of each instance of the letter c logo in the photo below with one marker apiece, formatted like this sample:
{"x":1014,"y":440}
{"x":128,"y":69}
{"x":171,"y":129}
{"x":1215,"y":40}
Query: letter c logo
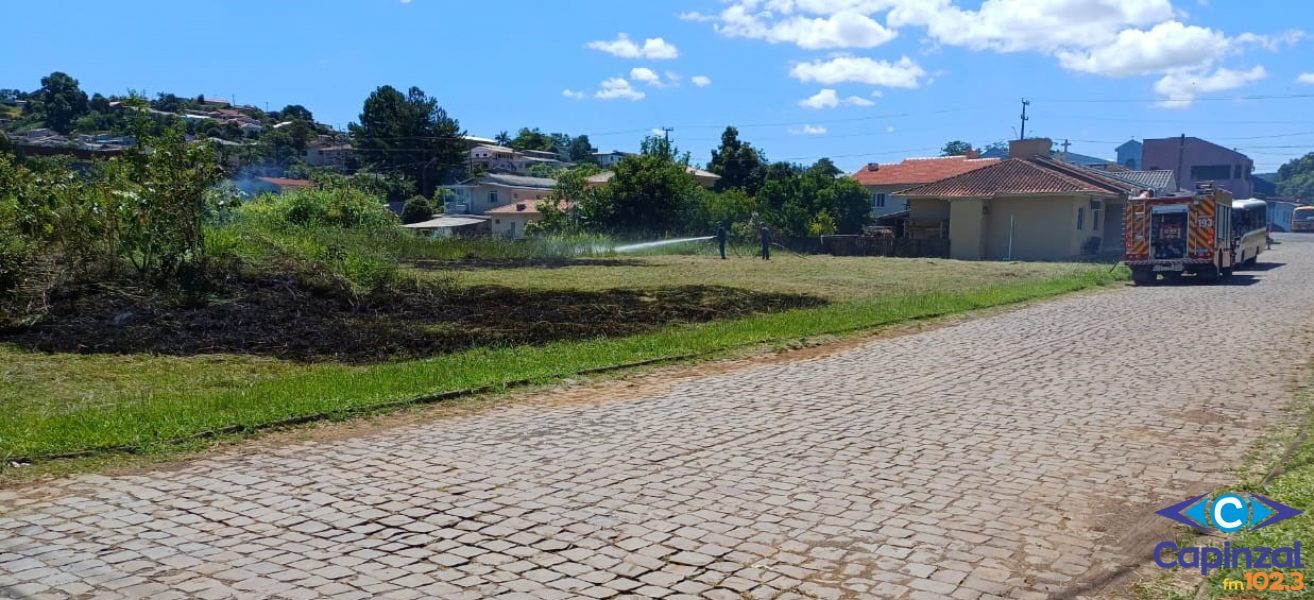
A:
{"x":1230,"y":513}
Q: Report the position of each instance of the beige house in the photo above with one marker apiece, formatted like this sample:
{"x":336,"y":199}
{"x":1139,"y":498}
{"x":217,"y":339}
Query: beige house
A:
{"x":486,"y":192}
{"x":511,"y":220}
{"x":1028,"y":207}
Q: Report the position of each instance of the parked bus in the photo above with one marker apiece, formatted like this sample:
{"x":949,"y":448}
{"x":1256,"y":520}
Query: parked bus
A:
{"x":1302,"y":219}
{"x":1171,"y":236}
{"x":1249,"y":229}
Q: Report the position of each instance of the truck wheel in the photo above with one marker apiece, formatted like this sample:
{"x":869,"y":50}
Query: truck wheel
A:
{"x":1143,"y":277}
{"x":1207,"y":275}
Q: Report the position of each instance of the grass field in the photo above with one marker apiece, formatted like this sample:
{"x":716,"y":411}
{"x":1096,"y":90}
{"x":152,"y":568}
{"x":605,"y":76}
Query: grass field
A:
{"x":833,"y":278}
{"x":62,"y":403}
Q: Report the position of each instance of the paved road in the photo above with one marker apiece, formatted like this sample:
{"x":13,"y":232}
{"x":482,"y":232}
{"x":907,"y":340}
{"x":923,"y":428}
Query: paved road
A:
{"x":1017,"y":456}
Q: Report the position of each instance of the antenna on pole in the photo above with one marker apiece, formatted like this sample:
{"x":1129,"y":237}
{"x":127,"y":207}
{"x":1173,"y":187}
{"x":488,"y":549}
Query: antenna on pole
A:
{"x":666,"y":132}
{"x":1025,"y":118}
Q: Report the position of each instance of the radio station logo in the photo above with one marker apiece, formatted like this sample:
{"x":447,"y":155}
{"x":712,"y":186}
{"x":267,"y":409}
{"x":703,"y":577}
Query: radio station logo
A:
{"x":1229,"y":512}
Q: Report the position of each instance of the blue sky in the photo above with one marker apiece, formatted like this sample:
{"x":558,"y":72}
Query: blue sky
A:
{"x":857,"y":80}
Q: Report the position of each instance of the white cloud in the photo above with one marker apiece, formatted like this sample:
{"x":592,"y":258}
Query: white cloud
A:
{"x":808,"y":130}
{"x":1305,"y":78}
{"x":1272,"y":43}
{"x":1028,"y":25}
{"x":695,"y":16}
{"x":1167,"y":46}
{"x":1106,"y":38}
{"x":701,"y":80}
{"x":1180,"y":89}
{"x":572,"y":94}
{"x":624,"y":47}
{"x":845,"y":29}
{"x":618,"y":88}
{"x":645,"y":75}
{"x":889,"y":129}
{"x":829,"y":98}
{"x":673,"y":78}
{"x":851,"y":69}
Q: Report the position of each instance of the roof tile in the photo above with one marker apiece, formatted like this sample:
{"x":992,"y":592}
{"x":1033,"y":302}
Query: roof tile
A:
{"x":1035,"y":175}
{"x":915,"y":171}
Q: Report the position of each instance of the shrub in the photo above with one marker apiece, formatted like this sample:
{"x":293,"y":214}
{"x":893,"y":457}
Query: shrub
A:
{"x":334,"y":207}
{"x":416,"y":210}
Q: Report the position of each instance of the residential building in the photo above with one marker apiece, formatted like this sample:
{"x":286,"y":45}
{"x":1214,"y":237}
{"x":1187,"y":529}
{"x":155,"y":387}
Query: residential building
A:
{"x":511,"y":220}
{"x":328,"y":155}
{"x":273,"y":185}
{"x":444,"y":226}
{"x":1028,"y":207}
{"x":1195,"y":161}
{"x":607,"y":159}
{"x":1072,"y":158}
{"x":501,"y":159}
{"x":884,"y":181}
{"x":481,"y":194}
{"x":1130,"y":155}
{"x":1160,"y":183}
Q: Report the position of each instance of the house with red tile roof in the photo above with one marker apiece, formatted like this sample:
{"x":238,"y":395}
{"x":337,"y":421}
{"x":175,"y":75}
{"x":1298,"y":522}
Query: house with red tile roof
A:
{"x":1027,"y":207}
{"x":884,"y":181}
{"x":511,"y":220}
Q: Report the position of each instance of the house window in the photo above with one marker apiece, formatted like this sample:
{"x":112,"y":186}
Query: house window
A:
{"x":1210,"y":172}
{"x":1236,"y":172}
{"x":878,"y":200}
{"x":1096,"y":208}
{"x":1081,"y":218}
{"x":492,"y":198}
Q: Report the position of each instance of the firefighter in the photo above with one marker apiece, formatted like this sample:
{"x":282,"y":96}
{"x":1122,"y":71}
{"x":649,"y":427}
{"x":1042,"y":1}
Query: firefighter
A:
{"x":766,"y":243}
{"x":720,"y":238}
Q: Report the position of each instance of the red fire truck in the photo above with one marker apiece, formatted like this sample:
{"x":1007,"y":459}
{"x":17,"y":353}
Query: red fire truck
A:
{"x":1172,"y":236}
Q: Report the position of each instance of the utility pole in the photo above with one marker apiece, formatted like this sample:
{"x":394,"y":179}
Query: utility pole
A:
{"x":1025,"y":104}
{"x":666,"y":131}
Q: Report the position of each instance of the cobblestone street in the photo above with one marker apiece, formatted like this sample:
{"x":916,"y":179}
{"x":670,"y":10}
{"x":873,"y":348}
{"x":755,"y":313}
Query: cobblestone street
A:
{"x":1007,"y":456}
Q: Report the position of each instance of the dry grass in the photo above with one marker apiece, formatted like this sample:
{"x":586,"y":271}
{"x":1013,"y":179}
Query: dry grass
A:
{"x":834,"y":278}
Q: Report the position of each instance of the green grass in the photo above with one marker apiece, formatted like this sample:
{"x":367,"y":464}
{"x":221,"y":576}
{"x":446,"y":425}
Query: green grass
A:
{"x":834,"y":278}
{"x":57,"y":404}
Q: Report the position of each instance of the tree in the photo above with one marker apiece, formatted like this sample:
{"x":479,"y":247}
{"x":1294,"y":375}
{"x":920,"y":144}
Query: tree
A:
{"x":804,"y":202}
{"x":581,"y":150}
{"x":60,"y":101}
{"x":166,"y":102}
{"x":409,"y":134}
{"x":740,"y":165}
{"x":955,"y":148}
{"x":650,"y":193}
{"x":1296,"y":178}
{"x":502,"y":138}
{"x":296,"y":112}
{"x":532,"y":139}
{"x":826,"y":166}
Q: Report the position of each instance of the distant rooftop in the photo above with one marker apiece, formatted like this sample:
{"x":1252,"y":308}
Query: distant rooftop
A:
{"x":913,"y":171}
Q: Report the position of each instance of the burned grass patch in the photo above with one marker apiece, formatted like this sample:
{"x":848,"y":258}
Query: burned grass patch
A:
{"x":280,"y":318}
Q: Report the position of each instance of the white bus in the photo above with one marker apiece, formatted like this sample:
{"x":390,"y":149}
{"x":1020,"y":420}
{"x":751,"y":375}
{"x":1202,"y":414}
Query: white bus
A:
{"x":1249,"y":229}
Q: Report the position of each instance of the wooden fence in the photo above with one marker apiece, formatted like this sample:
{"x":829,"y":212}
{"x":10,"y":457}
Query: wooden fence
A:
{"x":857,"y":245}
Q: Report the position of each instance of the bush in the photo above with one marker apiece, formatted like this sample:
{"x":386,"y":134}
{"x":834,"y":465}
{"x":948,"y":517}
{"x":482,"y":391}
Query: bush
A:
{"x":335,"y":240}
{"x":332,"y":207}
{"x":416,"y":210}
